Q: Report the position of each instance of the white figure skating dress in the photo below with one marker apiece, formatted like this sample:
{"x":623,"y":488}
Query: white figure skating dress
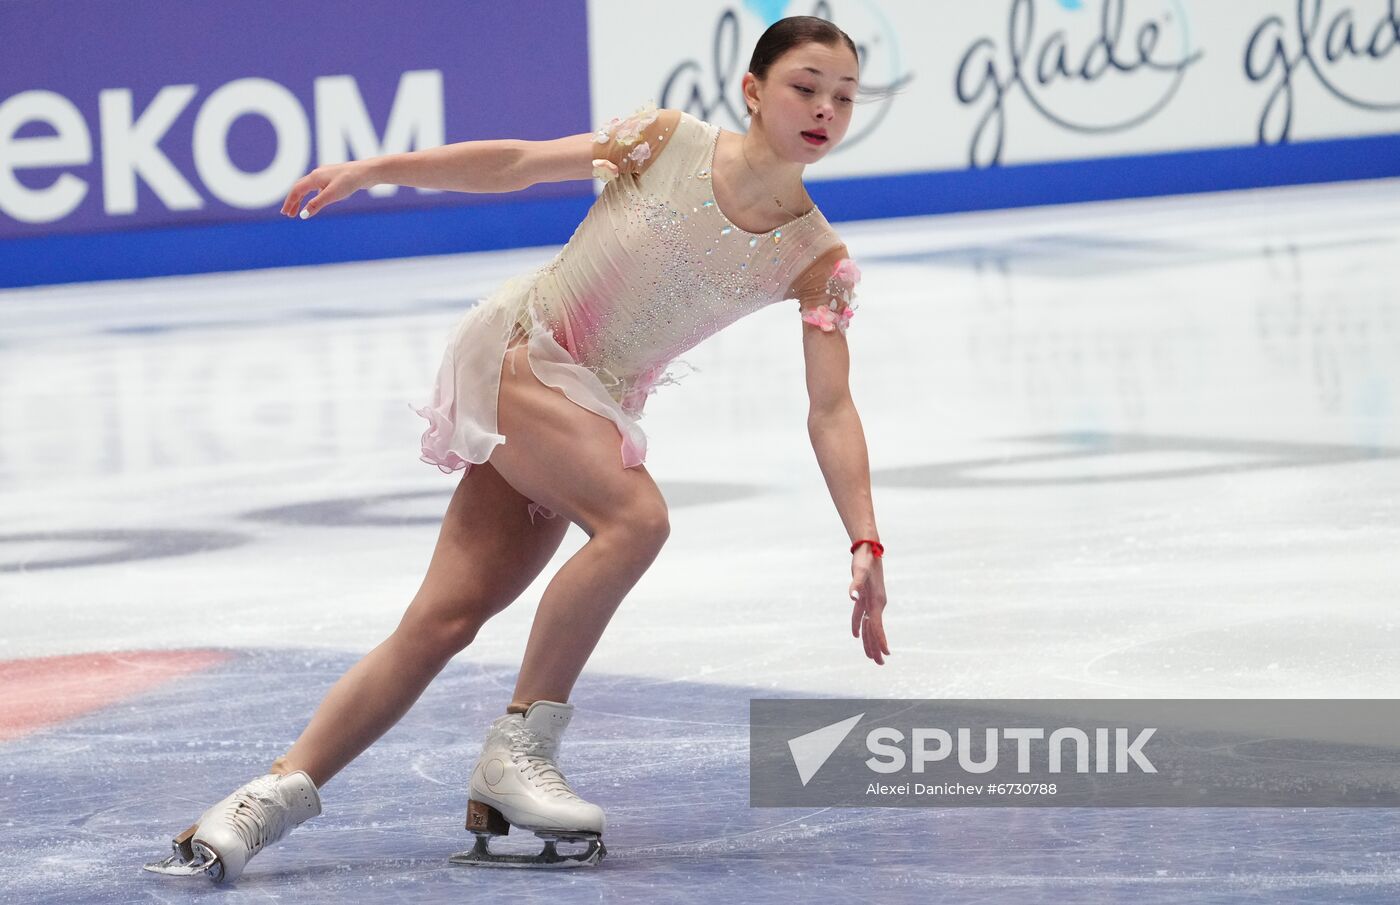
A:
{"x":654,"y":268}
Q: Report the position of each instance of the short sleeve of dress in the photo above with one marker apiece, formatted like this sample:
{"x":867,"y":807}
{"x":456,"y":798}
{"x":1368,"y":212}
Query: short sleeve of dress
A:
{"x":826,"y":289}
{"x":630,"y":145}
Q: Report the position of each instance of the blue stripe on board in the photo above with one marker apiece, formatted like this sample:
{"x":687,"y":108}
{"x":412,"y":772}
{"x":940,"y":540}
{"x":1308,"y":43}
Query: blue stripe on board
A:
{"x":366,"y":236}
{"x":285,"y":242}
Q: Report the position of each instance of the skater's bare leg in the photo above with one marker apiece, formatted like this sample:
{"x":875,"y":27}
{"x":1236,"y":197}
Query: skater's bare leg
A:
{"x":569,"y":459}
{"x":487,"y":553}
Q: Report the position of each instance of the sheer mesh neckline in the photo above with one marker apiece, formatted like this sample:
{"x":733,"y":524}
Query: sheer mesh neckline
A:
{"x":714,"y":148}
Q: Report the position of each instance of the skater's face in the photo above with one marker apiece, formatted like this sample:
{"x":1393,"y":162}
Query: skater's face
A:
{"x":810,"y":88}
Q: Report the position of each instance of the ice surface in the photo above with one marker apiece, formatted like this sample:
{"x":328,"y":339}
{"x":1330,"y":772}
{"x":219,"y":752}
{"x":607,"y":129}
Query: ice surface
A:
{"x":1133,"y":449}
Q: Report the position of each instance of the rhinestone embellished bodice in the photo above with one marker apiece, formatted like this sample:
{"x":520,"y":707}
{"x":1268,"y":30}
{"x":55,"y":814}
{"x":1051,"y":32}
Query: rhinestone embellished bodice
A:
{"x":656,"y":267}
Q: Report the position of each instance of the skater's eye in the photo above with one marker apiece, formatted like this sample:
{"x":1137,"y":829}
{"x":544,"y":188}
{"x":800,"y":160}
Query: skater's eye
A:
{"x":809,"y":91}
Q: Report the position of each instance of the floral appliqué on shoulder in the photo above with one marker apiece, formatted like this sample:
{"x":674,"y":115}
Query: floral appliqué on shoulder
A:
{"x":625,"y":132}
{"x":840,"y":288}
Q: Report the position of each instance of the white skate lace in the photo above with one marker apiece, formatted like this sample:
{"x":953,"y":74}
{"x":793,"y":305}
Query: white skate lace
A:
{"x":540,"y":768}
{"x":256,"y":815}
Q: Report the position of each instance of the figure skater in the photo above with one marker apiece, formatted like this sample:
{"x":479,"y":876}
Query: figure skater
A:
{"x":695,"y":228}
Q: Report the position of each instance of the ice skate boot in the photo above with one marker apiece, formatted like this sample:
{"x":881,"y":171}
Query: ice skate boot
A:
{"x":220,"y":843}
{"x":517,"y":783}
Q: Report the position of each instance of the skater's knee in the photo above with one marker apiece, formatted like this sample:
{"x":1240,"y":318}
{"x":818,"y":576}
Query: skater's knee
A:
{"x":640,"y":526}
{"x":437,"y":634}
{"x":651,"y":521}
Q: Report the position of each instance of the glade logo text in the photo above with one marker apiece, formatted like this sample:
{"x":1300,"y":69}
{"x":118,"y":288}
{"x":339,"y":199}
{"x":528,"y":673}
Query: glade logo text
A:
{"x":1058,"y":77}
{"x":1325,"y":38}
{"x":1110,"y":750}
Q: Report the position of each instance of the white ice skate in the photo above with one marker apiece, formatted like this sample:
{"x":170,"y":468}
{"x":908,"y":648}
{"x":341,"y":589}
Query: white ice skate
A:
{"x":517,"y":783}
{"x":237,"y":828}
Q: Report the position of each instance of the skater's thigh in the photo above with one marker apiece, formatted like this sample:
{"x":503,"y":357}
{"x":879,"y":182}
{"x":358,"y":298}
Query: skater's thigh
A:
{"x":488,"y":550}
{"x":566,"y":457}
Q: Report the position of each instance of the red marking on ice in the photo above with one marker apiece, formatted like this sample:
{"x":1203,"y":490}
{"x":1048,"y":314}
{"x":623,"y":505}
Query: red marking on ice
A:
{"x":48,"y":690}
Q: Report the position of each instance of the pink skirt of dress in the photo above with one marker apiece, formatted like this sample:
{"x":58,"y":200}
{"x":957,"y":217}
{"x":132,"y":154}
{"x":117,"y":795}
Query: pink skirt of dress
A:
{"x":462,"y":418}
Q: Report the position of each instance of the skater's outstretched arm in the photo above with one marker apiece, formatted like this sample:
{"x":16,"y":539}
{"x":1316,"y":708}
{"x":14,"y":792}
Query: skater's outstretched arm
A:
{"x":494,"y":165}
{"x":467,"y":166}
{"x":825,"y":293}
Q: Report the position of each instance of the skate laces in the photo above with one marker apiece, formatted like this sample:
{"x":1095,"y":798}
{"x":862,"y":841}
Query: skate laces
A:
{"x":256,"y":814}
{"x":530,"y":746}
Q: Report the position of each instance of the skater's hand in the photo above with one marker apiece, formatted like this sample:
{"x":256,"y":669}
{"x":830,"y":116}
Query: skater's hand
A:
{"x":331,"y":183}
{"x":868,"y":592}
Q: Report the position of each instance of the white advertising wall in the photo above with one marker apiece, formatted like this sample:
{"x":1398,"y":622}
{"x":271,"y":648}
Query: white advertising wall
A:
{"x":116,"y":163}
{"x":988,"y":82}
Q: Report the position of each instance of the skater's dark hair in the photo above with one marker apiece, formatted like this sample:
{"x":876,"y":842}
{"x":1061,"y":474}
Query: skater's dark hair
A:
{"x":795,"y":31}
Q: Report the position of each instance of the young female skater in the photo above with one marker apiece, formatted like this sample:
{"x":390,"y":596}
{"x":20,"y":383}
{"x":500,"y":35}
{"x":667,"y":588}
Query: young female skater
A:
{"x":695,"y":228}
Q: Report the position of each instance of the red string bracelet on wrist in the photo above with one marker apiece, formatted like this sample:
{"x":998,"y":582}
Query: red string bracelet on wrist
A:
{"x":875,"y":547}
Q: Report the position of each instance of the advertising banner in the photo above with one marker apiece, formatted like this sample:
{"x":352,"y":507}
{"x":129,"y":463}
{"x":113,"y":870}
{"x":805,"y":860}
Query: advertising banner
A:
{"x":143,"y":139}
{"x":1006,"y":82}
{"x":121,"y":116}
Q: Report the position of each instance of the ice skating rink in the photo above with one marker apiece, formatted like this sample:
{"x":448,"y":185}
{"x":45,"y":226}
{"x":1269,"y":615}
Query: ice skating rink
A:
{"x":1131,"y":449}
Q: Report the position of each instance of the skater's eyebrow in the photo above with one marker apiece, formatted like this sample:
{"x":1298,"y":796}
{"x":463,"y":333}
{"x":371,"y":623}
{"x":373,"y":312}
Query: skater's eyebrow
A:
{"x":814,"y":71}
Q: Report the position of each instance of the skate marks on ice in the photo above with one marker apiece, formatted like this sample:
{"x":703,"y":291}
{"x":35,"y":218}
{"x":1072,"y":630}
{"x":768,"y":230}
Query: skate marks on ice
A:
{"x":38,"y":551}
{"x":1055,"y":459}
{"x":425,"y":507}
{"x":1069,"y":256}
{"x":35,"y":551}
{"x":84,"y":804}
{"x":1094,"y":457}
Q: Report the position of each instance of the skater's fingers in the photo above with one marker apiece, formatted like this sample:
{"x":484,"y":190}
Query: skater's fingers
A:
{"x":297,"y":197}
{"x":328,"y":195}
{"x":314,"y":180}
{"x":871,"y":648}
{"x":857,"y":591}
{"x":877,"y":624}
{"x":290,"y":201}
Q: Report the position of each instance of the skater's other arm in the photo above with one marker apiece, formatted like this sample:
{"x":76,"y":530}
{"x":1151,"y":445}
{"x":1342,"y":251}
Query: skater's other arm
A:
{"x":825,"y":292}
{"x":832,"y":421}
{"x":491,"y":166}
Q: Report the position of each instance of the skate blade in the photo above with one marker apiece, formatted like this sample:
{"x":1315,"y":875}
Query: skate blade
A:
{"x":188,"y":859}
{"x":480,"y":855}
{"x":177,"y":866}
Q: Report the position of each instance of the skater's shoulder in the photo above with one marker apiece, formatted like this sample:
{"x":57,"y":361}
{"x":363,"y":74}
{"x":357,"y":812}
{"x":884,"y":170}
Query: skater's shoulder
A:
{"x":631,"y":145}
{"x":826,"y":269}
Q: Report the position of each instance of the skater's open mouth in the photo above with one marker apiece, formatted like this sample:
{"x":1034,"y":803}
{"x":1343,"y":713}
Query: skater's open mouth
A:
{"x":814,"y":138}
